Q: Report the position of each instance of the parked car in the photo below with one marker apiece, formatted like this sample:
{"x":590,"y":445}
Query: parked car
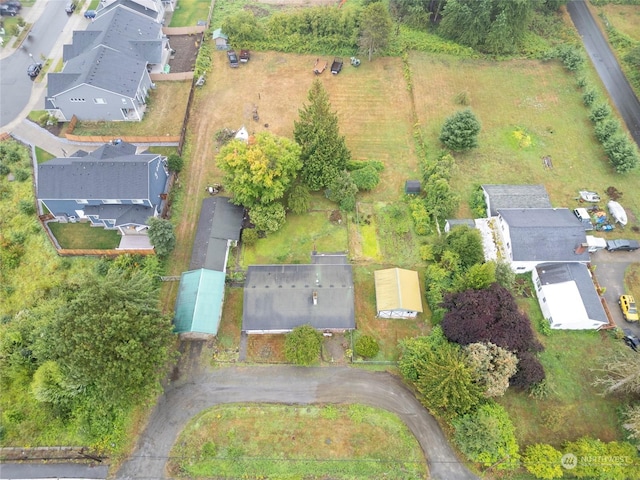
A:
{"x":631,"y":340}
{"x":7,"y":11}
{"x":628,"y":306}
{"x":622,"y":245}
{"x":70,"y":7}
{"x":13,"y":4}
{"x":90,"y":14}
{"x":336,"y":66}
{"x":245,"y":55}
{"x":34,"y":69}
{"x":233,"y":58}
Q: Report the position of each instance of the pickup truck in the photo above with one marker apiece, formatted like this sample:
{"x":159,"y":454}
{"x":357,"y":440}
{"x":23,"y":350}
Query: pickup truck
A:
{"x":244,"y":56}
{"x":336,"y":66}
{"x":622,"y":245}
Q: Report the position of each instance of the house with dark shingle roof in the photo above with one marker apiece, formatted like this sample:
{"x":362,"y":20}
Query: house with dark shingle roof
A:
{"x":99,"y":85}
{"x":514,"y":196}
{"x":567,"y":296}
{"x":278,"y":298}
{"x":531,"y":236}
{"x":113,"y":187}
{"x":153,"y":9}
{"x":125,"y":31}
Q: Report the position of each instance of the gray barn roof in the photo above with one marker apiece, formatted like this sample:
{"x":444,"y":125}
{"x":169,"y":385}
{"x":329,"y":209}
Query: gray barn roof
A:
{"x":579,"y":273}
{"x":122,"y":30}
{"x":516,"y":196}
{"x":111,"y":172}
{"x":102,"y":68}
{"x":544,"y":234}
{"x":280,"y":297}
{"x":219,"y":221}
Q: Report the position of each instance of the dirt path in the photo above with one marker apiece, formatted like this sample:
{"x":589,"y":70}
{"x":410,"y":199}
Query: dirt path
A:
{"x":291,"y":385}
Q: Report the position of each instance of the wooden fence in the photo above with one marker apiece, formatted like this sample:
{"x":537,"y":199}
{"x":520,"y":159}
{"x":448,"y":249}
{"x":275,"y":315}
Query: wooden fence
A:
{"x":138,"y":139}
{"x":184,"y":30}
{"x":75,"y":252}
{"x":176,"y":77}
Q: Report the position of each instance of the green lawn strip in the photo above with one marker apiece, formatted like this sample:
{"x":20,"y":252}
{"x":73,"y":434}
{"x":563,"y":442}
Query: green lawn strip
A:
{"x":42,"y":155}
{"x":84,"y":236}
{"x":573,"y":407}
{"x":189,"y":12}
{"x":294,"y":243}
{"x":269,"y":441}
{"x":163,"y":116}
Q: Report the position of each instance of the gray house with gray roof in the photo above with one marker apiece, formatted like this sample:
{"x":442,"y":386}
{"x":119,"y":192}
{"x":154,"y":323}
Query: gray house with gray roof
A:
{"x":514,"y":196}
{"x":125,"y":31}
{"x":113,"y":187}
{"x":531,"y":236}
{"x":278,"y":298}
{"x":99,"y":85}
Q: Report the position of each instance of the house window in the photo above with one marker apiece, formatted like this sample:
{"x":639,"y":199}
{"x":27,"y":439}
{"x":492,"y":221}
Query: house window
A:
{"x":99,"y":101}
{"x":137,"y":202}
{"x":544,"y":299}
{"x":538,"y":283}
{"x":82,"y":202}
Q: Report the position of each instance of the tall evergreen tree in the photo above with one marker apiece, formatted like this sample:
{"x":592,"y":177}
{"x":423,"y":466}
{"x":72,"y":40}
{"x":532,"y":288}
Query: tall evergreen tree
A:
{"x":324,"y":151}
{"x":375,"y":28}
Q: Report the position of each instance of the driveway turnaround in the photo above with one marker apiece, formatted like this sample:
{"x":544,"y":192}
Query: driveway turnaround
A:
{"x":607,"y":66}
{"x":289,"y":385}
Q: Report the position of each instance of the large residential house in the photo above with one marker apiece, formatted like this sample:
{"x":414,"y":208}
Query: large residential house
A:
{"x":531,"y":236}
{"x":106,"y":69}
{"x":153,"y":9}
{"x":113,"y":187}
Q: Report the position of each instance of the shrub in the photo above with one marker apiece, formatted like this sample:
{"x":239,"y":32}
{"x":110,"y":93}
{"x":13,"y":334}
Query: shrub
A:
{"x":460,"y":131}
{"x":249,"y":236}
{"x":21,"y":175}
{"x":299,"y":199}
{"x":589,"y":96}
{"x":175,"y":163}
{"x":26,"y":206}
{"x":487,"y":436}
{"x":606,"y":128}
{"x":530,"y":371}
{"x":543,"y":461}
{"x":268,"y":218}
{"x":302,"y":345}
{"x":366,"y":178}
{"x":599,"y":112}
{"x":571,"y":57}
{"x":367,"y":347}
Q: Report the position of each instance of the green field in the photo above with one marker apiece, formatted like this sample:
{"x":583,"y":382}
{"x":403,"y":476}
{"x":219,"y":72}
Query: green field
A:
{"x":312,"y":442}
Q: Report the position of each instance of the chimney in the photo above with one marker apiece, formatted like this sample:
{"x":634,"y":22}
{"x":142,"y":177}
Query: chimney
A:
{"x":314,"y":296}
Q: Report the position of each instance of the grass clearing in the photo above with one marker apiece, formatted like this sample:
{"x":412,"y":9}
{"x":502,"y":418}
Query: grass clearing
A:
{"x":187,"y":13}
{"x":165,"y":112}
{"x":84,"y":236}
{"x":313,"y":231}
{"x":624,"y":18}
{"x":573,"y":407}
{"x":277,"y":441}
{"x":539,"y":98}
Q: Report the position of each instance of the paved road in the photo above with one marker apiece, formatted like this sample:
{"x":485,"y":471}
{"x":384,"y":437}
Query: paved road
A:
{"x":49,"y":23}
{"x":607,"y":66}
{"x":10,"y":471}
{"x":291,"y":385}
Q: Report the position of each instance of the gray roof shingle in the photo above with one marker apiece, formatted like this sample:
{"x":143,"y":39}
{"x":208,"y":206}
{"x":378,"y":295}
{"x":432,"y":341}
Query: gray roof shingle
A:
{"x":280,"y":297}
{"x":111,"y":172}
{"x":545,"y":234}
{"x":516,"y":196}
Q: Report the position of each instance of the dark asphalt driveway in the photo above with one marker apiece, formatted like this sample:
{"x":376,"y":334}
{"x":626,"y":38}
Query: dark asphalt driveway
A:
{"x":607,"y":66}
{"x":290,"y":385}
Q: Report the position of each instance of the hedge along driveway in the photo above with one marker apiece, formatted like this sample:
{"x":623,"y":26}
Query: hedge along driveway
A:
{"x":293,"y":385}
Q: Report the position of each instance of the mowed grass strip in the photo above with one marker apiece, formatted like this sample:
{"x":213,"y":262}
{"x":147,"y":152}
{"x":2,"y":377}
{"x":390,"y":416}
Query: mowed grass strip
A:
{"x":165,"y":113}
{"x":311,"y":442}
{"x":528,"y":110}
{"x":84,"y":236}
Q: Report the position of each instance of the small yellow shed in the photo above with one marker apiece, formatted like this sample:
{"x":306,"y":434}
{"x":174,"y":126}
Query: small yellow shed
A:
{"x":397,"y":293}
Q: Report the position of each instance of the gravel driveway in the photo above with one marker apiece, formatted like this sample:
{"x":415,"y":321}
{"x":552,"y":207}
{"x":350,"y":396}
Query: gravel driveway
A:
{"x":290,"y":385}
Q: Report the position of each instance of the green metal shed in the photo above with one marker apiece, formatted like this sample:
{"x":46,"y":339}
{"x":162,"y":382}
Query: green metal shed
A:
{"x":199,"y":303}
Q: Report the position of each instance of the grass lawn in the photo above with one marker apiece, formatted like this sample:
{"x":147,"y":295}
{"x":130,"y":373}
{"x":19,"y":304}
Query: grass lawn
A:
{"x":189,"y":12}
{"x":313,"y":231}
{"x":278,"y":441}
{"x":165,"y":112}
{"x":573,"y":407}
{"x":42,"y":155}
{"x":84,"y":236}
{"x":624,"y":18}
